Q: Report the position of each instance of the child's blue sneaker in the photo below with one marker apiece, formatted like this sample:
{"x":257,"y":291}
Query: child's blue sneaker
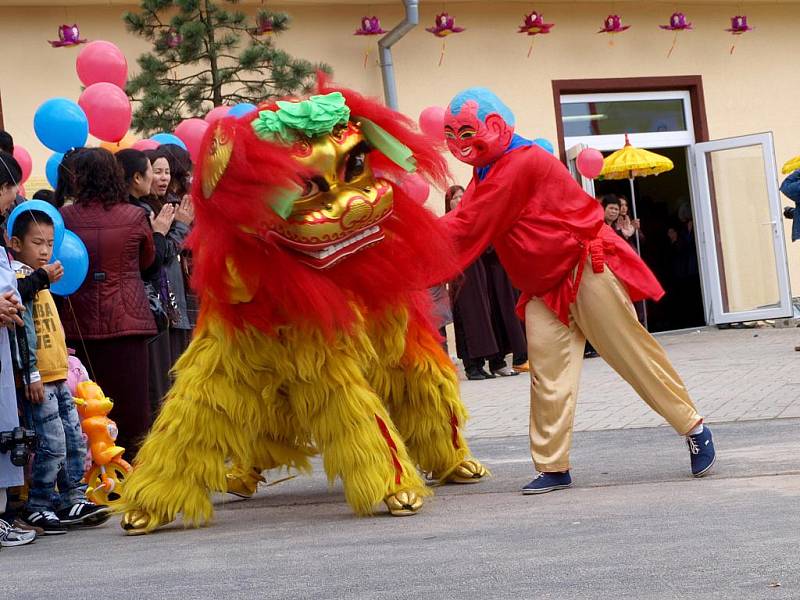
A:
{"x":701,"y":452}
{"x":548,"y":482}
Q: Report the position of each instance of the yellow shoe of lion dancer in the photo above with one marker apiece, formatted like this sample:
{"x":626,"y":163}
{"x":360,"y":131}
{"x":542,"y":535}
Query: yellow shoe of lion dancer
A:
{"x":312,"y":262}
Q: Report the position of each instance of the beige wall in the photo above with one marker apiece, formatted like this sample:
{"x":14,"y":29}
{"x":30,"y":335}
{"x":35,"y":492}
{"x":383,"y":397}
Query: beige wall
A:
{"x":753,"y":90}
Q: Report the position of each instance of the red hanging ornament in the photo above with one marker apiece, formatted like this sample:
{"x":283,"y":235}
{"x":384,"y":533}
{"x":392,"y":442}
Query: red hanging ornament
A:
{"x":612,"y":26}
{"x":738,"y":27}
{"x":68,"y":35}
{"x":677,"y":22}
{"x":444,"y":25}
{"x":533,"y":25}
{"x":369,"y":26}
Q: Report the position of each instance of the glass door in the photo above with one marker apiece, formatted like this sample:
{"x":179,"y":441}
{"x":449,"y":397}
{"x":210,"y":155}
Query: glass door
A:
{"x":572,"y":164}
{"x":740,"y":230}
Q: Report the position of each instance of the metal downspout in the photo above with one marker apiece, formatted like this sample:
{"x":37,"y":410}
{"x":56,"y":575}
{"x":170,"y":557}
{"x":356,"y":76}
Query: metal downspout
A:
{"x":385,"y":51}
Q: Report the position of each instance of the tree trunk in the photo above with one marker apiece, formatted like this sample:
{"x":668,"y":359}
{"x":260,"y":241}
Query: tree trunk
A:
{"x":216,"y":86}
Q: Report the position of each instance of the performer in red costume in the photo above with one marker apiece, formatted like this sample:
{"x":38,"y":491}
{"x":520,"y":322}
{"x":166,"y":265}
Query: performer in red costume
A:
{"x":577,"y":277}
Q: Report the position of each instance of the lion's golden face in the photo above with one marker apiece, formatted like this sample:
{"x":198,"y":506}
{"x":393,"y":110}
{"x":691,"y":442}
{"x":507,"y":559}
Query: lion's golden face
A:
{"x":342,"y":205}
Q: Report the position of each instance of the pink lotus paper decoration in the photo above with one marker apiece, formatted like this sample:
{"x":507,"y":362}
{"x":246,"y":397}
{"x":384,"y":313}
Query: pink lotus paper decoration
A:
{"x":173,"y":39}
{"x":738,"y":27}
{"x":444,"y":26}
{"x":613,"y":24}
{"x":68,"y":35}
{"x":534,"y":25}
{"x":264,"y":25}
{"x":677,"y":22}
{"x":370,"y":26}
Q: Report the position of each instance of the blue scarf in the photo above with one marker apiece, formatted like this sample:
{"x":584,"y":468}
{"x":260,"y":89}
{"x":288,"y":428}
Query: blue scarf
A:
{"x":516,"y":142}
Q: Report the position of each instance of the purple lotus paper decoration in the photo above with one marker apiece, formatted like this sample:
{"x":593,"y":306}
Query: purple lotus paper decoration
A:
{"x":677,"y":22}
{"x":613,"y":24}
{"x":68,"y":35}
{"x":738,"y":27}
{"x":370,"y":26}
{"x":444,"y":26}
{"x":533,"y":25}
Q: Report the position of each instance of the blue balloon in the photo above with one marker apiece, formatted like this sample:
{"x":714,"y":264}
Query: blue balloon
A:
{"x":168,"y":138}
{"x":60,"y":124}
{"x":51,"y":168}
{"x":41,"y":206}
{"x":75,"y":259}
{"x":543,"y":143}
{"x":239,"y":110}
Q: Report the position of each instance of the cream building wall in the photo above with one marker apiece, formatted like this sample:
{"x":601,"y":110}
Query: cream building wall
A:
{"x":753,"y":90}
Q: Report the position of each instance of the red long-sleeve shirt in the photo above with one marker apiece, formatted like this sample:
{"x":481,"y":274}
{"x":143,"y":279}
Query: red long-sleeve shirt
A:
{"x":543,"y":227}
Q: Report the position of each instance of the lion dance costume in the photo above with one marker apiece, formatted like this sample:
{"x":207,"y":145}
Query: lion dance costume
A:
{"x":314,"y":333}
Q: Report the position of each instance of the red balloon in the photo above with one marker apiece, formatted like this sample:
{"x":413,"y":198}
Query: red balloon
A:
{"x":145,"y":145}
{"x":25,"y":162}
{"x":216,"y":113}
{"x":108,"y":109}
{"x":416,"y":187}
{"x":101,"y":61}
{"x":191,"y":132}
{"x":590,"y":163}
{"x":431,"y":122}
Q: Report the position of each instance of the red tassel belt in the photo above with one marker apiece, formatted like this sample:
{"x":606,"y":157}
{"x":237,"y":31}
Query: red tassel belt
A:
{"x":596,"y":250}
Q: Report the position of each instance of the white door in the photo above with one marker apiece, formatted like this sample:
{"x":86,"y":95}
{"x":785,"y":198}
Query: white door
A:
{"x":741,"y":245}
{"x":572,"y":164}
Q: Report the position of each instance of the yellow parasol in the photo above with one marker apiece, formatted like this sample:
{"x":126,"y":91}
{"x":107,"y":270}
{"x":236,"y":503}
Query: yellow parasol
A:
{"x":628,"y":163}
{"x":791,"y":165}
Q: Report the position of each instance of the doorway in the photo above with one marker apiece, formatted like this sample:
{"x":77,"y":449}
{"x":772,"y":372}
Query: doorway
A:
{"x":667,"y":240}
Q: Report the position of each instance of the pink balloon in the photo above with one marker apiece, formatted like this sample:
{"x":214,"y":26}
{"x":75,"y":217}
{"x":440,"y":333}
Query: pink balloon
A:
{"x":431,"y":122}
{"x":416,"y":187}
{"x":101,"y":61}
{"x":191,"y":132}
{"x":145,"y":145}
{"x":25,"y":162}
{"x":216,"y":113}
{"x":590,"y":163}
{"x":108,"y":109}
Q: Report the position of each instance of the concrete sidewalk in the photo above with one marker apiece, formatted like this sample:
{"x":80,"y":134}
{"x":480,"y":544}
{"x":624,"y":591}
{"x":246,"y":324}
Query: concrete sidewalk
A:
{"x":733,"y":375}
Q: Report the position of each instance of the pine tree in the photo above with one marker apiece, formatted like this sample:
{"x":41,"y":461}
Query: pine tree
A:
{"x":205,"y":54}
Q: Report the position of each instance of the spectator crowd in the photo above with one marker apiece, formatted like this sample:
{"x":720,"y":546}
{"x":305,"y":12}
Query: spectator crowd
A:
{"x":128,"y":322}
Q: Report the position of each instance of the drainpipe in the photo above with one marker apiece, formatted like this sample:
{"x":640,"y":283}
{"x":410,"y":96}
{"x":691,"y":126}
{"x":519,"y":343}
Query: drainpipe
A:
{"x":385,"y":50}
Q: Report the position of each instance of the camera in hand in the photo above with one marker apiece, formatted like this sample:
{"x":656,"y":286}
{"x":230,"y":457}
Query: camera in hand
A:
{"x":19,"y":442}
{"x":788,"y":212}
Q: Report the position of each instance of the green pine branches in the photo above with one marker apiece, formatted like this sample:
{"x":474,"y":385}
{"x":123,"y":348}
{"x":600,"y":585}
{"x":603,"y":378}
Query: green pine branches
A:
{"x":205,"y":54}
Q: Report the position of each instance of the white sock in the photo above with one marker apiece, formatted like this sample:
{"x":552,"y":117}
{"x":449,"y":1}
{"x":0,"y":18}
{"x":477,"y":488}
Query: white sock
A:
{"x":696,"y":430}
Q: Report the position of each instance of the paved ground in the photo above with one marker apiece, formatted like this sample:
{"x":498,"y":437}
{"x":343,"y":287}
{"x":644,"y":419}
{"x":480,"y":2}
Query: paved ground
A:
{"x":635,"y":526}
{"x":733,"y":375}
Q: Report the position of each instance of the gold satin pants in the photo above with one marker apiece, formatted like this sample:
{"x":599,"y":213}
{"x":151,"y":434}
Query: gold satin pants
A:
{"x":604,"y":314}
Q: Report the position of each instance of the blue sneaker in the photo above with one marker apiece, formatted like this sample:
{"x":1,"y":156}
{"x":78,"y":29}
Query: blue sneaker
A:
{"x":701,"y":452}
{"x":548,"y":482}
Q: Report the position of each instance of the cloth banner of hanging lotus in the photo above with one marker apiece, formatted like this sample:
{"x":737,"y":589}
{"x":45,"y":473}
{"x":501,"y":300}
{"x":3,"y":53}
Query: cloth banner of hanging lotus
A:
{"x":613,"y":26}
{"x":738,"y":27}
{"x":444,"y":26}
{"x":533,"y":25}
{"x":677,"y":23}
{"x":369,"y":26}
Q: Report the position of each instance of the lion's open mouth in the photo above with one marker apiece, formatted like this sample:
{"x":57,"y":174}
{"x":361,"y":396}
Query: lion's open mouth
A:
{"x":322,"y":258}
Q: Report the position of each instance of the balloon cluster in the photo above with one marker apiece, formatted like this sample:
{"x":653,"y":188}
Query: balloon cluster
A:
{"x":67,"y":247}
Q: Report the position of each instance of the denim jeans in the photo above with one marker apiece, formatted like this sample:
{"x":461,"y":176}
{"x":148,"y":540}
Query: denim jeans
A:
{"x":60,"y":451}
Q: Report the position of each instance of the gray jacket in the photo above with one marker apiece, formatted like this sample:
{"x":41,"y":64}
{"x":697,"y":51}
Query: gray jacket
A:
{"x":172,"y":265}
